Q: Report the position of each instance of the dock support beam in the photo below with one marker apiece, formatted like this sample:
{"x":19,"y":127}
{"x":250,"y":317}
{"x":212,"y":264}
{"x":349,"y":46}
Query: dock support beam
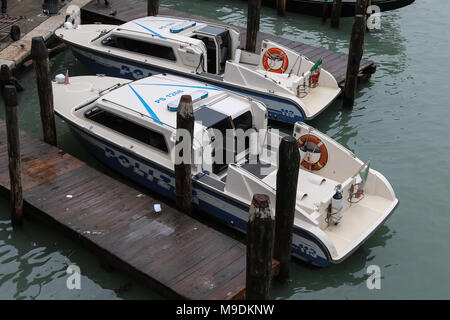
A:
{"x":354,"y":59}
{"x":39,"y":54}
{"x":254,"y":13}
{"x":286,"y":196}
{"x":336,"y":13}
{"x":260,"y":231}
{"x":15,"y":168}
{"x":281,"y":7}
{"x":183,"y":154}
{"x":152,"y":7}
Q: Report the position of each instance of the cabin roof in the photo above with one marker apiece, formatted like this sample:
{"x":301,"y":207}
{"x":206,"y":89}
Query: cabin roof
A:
{"x":162,"y":26}
{"x":150,"y":98}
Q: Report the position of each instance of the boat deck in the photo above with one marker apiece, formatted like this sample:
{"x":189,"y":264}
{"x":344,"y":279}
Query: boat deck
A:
{"x":126,"y":10}
{"x":173,"y":253}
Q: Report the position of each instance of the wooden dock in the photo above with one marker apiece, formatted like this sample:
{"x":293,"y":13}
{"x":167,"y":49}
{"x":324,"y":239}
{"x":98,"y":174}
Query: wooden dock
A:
{"x":175,"y":254}
{"x":28,"y":16}
{"x":126,"y":10}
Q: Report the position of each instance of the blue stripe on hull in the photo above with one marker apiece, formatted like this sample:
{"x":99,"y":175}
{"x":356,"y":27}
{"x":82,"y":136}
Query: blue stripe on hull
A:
{"x":278,"y":109}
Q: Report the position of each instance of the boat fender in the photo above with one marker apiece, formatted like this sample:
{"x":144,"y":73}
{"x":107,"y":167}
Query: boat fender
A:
{"x":301,"y":143}
{"x":237,"y":56}
{"x":337,"y":204}
{"x":275,"y":54}
{"x":73,"y":15}
{"x":68,"y":25}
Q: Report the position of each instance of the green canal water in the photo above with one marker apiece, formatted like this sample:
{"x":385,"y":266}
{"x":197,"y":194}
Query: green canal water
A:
{"x":400,"y":121}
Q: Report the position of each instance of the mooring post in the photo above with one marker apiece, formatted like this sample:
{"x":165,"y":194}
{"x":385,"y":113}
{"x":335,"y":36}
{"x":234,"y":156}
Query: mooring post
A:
{"x":260,"y":232}
{"x":6,"y":78}
{"x":5,"y":75}
{"x":254,"y":12}
{"x":367,"y":3}
{"x":281,"y":7}
{"x":152,"y":7}
{"x":15,"y":170}
{"x":183,"y":161}
{"x":39,"y":54}
{"x":325,"y":10}
{"x":354,"y":59}
{"x":286,"y":197}
{"x":336,"y":13}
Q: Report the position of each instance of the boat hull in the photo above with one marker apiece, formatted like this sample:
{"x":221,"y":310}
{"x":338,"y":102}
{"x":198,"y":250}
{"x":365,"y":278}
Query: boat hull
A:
{"x":279,"y":109}
{"x":305,"y":246}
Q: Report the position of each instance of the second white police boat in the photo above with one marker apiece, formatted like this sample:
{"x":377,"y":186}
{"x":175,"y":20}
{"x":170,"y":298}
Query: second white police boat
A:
{"x":291,"y":86}
{"x":131,"y":127}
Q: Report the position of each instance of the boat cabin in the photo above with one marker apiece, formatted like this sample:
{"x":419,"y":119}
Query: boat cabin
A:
{"x":196,"y":46}
{"x":144,"y":112}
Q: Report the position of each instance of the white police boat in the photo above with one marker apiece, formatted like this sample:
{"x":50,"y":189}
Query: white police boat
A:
{"x":131,"y":127}
{"x":290,"y":85}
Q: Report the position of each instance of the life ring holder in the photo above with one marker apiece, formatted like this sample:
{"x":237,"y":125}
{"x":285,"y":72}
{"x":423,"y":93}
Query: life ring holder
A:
{"x":322,"y":148}
{"x":271,"y":52}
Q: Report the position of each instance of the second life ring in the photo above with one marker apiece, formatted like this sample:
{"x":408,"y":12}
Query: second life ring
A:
{"x":322,"y":148}
{"x":272,"y":58}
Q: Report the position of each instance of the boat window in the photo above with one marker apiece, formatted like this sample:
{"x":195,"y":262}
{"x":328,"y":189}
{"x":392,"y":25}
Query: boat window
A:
{"x":221,"y":164}
{"x":244,"y":122}
{"x":128,"y":128}
{"x":211,"y":53}
{"x":143,"y":47}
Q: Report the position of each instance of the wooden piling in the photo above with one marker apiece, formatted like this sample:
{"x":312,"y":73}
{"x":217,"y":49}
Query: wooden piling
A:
{"x":324,"y":10}
{"x":6,"y":78}
{"x":152,"y":7}
{"x":354,"y":59}
{"x":183,"y":178}
{"x":39,"y":54}
{"x":336,"y":13}
{"x":361,"y":6}
{"x":286,"y":196}
{"x":15,"y":33}
{"x":254,"y":13}
{"x":281,"y":7}
{"x":260,"y":232}
{"x":15,"y":169}
{"x":5,"y":75}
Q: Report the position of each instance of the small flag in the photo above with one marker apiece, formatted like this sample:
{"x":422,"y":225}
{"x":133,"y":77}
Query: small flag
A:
{"x":66,"y":80}
{"x":365,"y":173}
{"x":316,"y":65}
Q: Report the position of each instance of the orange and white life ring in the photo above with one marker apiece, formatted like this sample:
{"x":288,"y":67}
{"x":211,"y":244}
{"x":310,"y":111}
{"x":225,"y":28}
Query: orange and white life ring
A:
{"x":275,"y":55}
{"x":322,"y":148}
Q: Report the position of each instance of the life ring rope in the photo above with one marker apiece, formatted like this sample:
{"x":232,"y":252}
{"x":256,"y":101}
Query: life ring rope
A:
{"x":322,"y":148}
{"x":273,"y":54}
